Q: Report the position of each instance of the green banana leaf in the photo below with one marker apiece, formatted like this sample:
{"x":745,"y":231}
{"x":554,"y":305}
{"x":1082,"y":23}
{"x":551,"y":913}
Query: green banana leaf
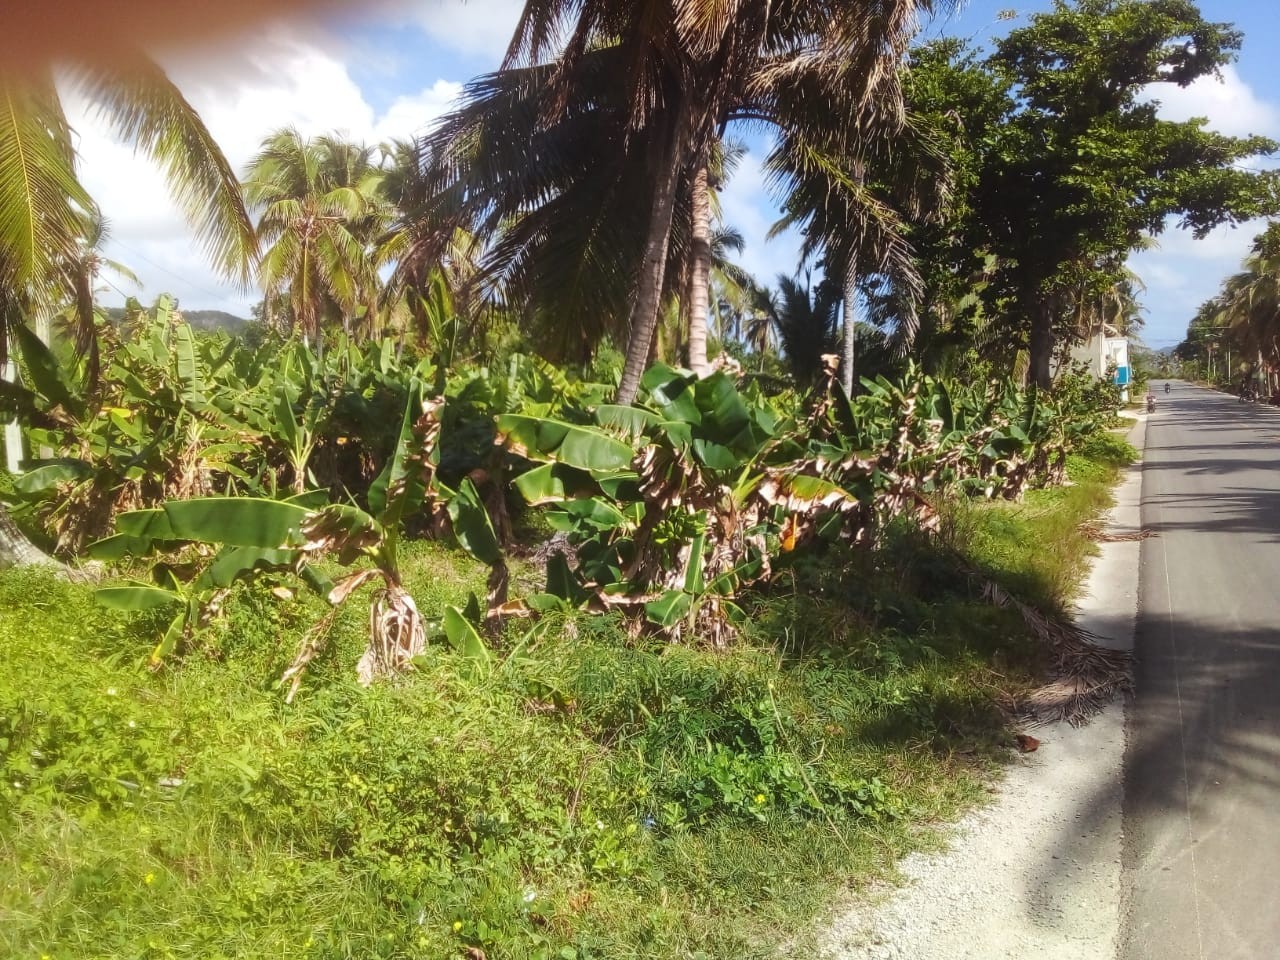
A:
{"x":45,"y":373}
{"x":133,"y":595}
{"x":471,"y":524}
{"x":466,"y":640}
{"x":43,"y":475}
{"x":236,"y":521}
{"x":587,"y":448}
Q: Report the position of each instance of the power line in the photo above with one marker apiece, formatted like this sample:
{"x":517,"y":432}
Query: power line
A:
{"x":184,"y":280}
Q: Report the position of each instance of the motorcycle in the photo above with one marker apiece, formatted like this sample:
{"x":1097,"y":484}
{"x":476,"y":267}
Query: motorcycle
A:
{"x":1166,"y":389}
{"x":1151,"y":404}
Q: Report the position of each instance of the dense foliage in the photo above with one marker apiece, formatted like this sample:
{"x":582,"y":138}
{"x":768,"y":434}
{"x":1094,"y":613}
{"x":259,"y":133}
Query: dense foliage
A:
{"x":588,"y":796}
{"x":1234,"y":339}
{"x":664,"y":512}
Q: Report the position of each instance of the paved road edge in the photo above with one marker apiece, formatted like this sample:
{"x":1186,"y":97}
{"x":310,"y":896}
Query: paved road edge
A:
{"x":1036,"y":873}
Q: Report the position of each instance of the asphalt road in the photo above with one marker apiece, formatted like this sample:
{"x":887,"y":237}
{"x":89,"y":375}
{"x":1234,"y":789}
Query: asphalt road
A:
{"x":1201,"y":863}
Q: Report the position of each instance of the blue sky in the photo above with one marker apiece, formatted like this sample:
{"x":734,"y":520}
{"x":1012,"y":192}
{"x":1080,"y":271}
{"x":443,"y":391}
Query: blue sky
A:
{"x":396,"y":67}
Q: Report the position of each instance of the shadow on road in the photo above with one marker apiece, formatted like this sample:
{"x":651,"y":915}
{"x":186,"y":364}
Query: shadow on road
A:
{"x":1201,"y":799}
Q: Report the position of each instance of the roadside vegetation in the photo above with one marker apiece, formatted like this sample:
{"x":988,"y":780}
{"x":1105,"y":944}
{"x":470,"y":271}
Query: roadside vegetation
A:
{"x":526,"y":579}
{"x":594,"y":797}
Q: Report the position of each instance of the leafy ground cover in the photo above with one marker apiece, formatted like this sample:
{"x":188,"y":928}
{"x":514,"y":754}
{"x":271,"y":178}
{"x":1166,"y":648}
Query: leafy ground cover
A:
{"x":597,"y":796}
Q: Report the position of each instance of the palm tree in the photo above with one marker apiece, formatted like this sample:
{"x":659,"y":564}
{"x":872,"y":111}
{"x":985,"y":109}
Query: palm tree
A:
{"x":857,"y":209}
{"x":320,"y":210}
{"x":760,"y":327}
{"x":622,"y":116}
{"x":1248,"y":307}
{"x":806,"y":321}
{"x":407,"y":240}
{"x":77,"y":277}
{"x":1113,"y":309}
{"x":44,"y":209}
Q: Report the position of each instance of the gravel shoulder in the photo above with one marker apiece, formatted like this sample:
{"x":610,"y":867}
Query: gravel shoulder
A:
{"x":1036,"y":873}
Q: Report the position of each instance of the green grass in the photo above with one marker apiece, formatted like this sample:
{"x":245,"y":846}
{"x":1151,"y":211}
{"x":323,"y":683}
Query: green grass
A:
{"x":598,"y":798}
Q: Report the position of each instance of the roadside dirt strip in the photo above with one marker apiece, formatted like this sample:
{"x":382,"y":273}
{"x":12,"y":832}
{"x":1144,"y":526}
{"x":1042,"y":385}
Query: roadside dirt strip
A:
{"x":1036,"y":873}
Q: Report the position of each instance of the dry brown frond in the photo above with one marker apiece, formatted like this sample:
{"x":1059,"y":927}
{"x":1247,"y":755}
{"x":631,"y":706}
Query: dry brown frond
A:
{"x":1088,"y":675}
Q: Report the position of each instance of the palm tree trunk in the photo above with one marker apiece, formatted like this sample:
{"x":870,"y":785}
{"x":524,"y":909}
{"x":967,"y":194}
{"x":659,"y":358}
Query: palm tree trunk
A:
{"x":850,"y":341}
{"x":648,"y":298}
{"x":15,"y":549}
{"x":699,"y":271}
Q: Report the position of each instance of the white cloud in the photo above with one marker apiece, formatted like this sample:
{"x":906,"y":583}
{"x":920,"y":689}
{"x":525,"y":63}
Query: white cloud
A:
{"x":412,"y":114}
{"x":1182,"y":272}
{"x":279,"y":79}
{"x":746,"y":205}
{"x":481,"y":28}
{"x":1229,"y":104}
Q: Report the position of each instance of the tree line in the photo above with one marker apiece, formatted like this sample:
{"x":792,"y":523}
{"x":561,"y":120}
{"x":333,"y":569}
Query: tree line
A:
{"x":970,"y":207}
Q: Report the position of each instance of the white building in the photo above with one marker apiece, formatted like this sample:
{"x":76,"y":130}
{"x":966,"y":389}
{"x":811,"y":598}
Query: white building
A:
{"x":1106,"y":356}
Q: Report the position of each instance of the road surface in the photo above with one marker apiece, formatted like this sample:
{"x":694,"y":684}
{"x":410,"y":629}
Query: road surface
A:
{"x":1201,"y":875}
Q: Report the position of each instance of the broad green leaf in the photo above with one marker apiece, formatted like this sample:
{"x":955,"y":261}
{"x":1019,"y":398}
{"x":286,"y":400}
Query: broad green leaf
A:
{"x":409,"y":494}
{"x":724,"y":415}
{"x":318,"y":583}
{"x":45,"y":474}
{"x":595,"y":510}
{"x":561,"y":582}
{"x":554,"y":483}
{"x":587,"y":448}
{"x":235,"y":563}
{"x":311,"y":500}
{"x":668,"y":609}
{"x":465,"y":639}
{"x":152,"y":524}
{"x":673,"y":393}
{"x":285,"y":421}
{"x":714,"y":456}
{"x":693,"y":582}
{"x":46,"y":374}
{"x":174,"y":634}
{"x":630,"y":422}
{"x":236,"y":521}
{"x":188,"y":367}
{"x":121,"y":545}
{"x":136,"y":596}
{"x":471,"y":524}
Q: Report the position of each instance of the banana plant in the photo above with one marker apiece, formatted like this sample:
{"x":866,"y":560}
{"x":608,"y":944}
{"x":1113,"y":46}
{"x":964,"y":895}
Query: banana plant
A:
{"x":671,"y":507}
{"x":255,"y":534}
{"x":149,"y":433}
{"x":253,"y":537}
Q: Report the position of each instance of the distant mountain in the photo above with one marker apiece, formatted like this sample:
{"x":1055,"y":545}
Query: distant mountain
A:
{"x":214,"y":320}
{"x":199,"y":319}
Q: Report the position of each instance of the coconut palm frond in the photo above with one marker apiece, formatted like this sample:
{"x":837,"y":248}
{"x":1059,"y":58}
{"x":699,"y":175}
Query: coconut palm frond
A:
{"x":42,"y":204}
{"x":144,"y":107}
